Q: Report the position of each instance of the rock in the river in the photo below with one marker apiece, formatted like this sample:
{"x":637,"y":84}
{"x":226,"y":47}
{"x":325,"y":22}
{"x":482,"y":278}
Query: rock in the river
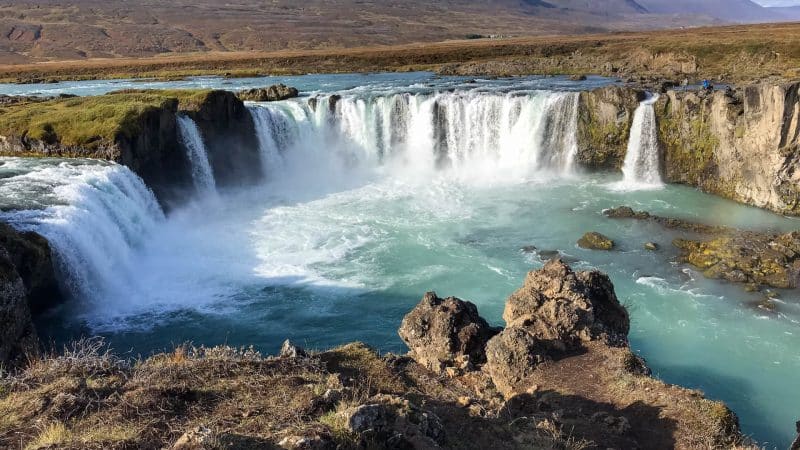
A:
{"x":269,"y":94}
{"x":625,"y":212}
{"x":747,"y":257}
{"x":445,"y":332}
{"x":595,"y":241}
{"x":651,"y":246}
{"x":796,"y":444}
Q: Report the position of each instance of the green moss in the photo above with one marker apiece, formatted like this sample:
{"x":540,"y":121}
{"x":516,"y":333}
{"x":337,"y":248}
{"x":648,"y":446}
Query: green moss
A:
{"x":602,"y":142}
{"x":91,"y":122}
{"x":689,"y":145}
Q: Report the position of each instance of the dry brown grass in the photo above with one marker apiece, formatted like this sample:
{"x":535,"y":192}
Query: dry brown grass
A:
{"x":89,"y":399}
{"x":733,"y":53}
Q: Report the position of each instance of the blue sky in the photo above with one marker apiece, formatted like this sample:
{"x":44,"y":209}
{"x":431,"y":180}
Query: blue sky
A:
{"x":778,"y":2}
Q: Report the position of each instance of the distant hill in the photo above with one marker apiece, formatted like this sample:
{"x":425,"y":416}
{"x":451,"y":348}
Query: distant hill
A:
{"x":788,"y":12}
{"x":737,"y":11}
{"x":79,"y":29}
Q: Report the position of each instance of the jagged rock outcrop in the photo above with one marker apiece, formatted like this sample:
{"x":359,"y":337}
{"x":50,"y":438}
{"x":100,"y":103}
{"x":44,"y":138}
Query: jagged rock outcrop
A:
{"x":27,"y":283}
{"x":557,"y":304}
{"x":273,"y":93}
{"x":445,"y":333}
{"x":605,"y":117}
{"x":553,"y":314}
{"x":743,"y":145}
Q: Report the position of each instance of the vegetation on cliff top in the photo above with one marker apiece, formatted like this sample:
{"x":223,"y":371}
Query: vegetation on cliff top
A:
{"x":94,"y":121}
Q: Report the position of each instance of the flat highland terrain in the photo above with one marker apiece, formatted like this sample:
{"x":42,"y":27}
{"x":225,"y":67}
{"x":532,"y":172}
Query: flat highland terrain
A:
{"x":741,"y":53}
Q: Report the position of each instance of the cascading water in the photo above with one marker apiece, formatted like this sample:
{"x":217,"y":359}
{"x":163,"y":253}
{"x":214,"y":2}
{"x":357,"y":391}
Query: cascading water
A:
{"x":202,"y":175}
{"x":92,"y":213}
{"x":641,"y":168}
{"x":473,"y":133}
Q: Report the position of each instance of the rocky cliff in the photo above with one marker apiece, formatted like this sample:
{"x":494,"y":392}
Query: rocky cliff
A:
{"x":139,"y":129}
{"x":27,"y":282}
{"x":743,"y":144}
{"x":605,"y":117}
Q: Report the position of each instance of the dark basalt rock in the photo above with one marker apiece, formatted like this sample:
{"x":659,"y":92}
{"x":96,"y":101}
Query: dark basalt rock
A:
{"x":393,"y":422}
{"x":31,"y":256}
{"x":230,"y":137}
{"x":626,"y":212}
{"x":17,"y":334}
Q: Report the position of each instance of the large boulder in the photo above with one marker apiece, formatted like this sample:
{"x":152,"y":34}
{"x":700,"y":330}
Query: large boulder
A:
{"x":595,"y":241}
{"x":551,"y":316}
{"x":555,"y":303}
{"x":445,"y":332}
{"x":269,"y":94}
{"x":512,"y":357}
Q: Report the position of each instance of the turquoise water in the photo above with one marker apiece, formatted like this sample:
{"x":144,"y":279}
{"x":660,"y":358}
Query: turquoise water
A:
{"x":330,"y":250}
{"x":332,"y":266}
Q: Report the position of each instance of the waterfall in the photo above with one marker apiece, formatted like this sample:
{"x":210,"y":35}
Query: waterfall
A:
{"x":469,"y":132}
{"x":202,"y":175}
{"x":92,"y":214}
{"x":641,"y":167}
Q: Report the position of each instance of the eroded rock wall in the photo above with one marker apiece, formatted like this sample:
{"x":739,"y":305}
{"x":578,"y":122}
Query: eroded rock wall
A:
{"x":230,"y":137}
{"x":27,"y":282}
{"x":605,"y":117}
{"x":742,"y":144}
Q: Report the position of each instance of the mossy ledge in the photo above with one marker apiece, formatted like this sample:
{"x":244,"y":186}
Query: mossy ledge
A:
{"x":136,"y":128}
{"x":605,"y":117}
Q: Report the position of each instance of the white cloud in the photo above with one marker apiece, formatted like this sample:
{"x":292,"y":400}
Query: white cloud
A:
{"x":778,"y":2}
